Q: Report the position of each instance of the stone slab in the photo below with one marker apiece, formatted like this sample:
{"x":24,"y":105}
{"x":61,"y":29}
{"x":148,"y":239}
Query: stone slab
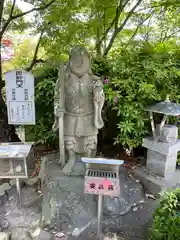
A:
{"x":127,"y":227}
{"x":64,"y":202}
{"x":155,"y":184}
{"x":131,"y":192}
{"x":167,"y":149}
{"x":72,"y":209}
{"x":132,"y":226}
{"x":78,"y":170}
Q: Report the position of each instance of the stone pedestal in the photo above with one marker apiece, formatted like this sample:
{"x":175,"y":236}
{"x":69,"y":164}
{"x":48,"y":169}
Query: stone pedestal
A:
{"x":66,"y":208}
{"x":155,"y":184}
{"x":161,"y":157}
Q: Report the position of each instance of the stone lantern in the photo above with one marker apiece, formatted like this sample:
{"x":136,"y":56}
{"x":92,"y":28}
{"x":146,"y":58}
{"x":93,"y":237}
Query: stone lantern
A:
{"x":163,"y":145}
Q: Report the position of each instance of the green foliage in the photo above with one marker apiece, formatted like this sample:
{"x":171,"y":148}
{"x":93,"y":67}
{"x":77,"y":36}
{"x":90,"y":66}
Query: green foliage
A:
{"x":42,"y":131}
{"x":23,"y":54}
{"x":178,"y":159}
{"x":138,"y":76}
{"x":141,"y":76}
{"x":19,"y":24}
{"x":101,"y":67}
{"x":166,"y":225}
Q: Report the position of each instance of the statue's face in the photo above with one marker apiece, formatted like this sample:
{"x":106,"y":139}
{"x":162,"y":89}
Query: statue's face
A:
{"x":80,"y":63}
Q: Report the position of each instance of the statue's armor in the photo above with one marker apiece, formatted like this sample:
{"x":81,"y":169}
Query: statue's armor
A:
{"x":80,"y":133}
{"x":79,"y":106}
{"x":79,"y":95}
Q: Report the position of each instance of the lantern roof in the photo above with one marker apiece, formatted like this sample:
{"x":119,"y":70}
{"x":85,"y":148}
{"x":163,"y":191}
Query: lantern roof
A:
{"x":166,"y":107}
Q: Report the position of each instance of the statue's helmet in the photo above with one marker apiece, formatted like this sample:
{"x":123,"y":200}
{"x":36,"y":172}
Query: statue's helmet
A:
{"x":76,"y":51}
{"x":79,"y":61}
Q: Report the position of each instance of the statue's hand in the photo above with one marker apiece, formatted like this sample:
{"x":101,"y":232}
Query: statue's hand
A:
{"x":55,"y":126}
{"x":58,"y":111}
{"x":98,"y":95}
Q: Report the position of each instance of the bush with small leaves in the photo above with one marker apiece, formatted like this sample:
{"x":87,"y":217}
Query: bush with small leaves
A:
{"x":166,"y":225}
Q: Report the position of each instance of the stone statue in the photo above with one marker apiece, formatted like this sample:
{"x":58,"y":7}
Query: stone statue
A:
{"x":84,"y":100}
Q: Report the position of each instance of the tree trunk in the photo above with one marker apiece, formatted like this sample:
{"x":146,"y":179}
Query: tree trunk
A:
{"x":7,"y":132}
{"x":98,"y":50}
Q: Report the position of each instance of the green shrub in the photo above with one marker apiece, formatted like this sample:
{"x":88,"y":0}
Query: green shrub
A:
{"x":141,"y":76}
{"x":44,"y":99}
{"x":138,"y":76}
{"x":166,"y":225}
{"x":101,"y":67}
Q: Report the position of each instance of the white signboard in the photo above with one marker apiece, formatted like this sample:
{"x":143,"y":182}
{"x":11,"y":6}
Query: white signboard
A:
{"x":20,"y":97}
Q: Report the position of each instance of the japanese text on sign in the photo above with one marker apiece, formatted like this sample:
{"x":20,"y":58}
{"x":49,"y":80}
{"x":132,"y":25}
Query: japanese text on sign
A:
{"x":20,"y":97}
{"x":98,"y":185}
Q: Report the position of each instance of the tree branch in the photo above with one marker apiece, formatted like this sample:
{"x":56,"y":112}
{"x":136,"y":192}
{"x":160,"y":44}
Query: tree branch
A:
{"x":167,"y":37}
{"x":33,"y":9}
{"x":11,"y":17}
{"x":119,"y":9}
{"x":120,"y":28}
{"x":146,"y":37}
{"x":34,"y":60}
{"x":1,"y":13}
{"x":12,"y":8}
{"x":134,"y":34}
{"x":137,"y":28}
{"x":42,"y":2}
{"x":118,"y":12}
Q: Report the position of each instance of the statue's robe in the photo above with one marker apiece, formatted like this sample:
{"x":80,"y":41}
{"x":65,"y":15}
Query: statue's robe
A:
{"x":82,"y":117}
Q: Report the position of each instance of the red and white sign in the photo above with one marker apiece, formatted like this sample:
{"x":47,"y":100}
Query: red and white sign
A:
{"x":103,"y":186}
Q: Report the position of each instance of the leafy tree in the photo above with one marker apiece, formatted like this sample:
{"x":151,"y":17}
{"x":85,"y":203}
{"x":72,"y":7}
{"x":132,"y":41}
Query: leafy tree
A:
{"x":23,"y":54}
{"x":141,"y":76}
{"x":12,"y":17}
{"x":101,"y":25}
{"x":96,"y":21}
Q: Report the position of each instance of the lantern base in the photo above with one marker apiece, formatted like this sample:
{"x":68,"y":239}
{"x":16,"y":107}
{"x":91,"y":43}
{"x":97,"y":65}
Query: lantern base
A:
{"x":154,"y":184}
{"x":161,"y":157}
{"x":161,"y":164}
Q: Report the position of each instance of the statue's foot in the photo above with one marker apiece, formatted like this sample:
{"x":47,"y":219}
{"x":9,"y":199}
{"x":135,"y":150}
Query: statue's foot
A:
{"x":68,"y":167}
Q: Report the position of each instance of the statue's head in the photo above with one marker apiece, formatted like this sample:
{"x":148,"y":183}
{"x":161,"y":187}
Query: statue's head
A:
{"x":79,"y":62}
